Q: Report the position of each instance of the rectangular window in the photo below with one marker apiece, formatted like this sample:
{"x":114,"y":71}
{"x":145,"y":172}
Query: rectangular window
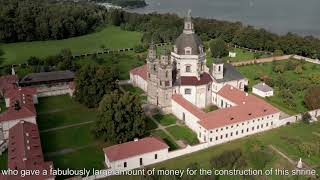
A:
{"x":242,"y":131}
{"x":231,"y":134}
{"x":267,"y":124}
{"x":271,"y":123}
{"x":216,"y":137}
{"x":226,"y":135}
{"x":258,"y":127}
{"x":221,"y":137}
{"x":187,"y":91}
{"x":141,"y":163}
{"x":236,"y":132}
{"x":125,"y":164}
{"x":210,"y":139}
{"x":156,"y":156}
{"x":261,"y":125}
{"x":252,"y":128}
{"x":188,"y":68}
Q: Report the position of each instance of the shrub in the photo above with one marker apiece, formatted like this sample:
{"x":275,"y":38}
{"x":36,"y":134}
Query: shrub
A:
{"x":306,"y":118}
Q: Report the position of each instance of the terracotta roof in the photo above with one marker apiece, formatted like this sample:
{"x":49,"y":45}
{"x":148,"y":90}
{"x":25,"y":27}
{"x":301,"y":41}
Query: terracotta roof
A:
{"x":140,"y":71}
{"x":188,"y":106}
{"x":205,"y":78}
{"x":24,"y":150}
{"x":7,"y":83}
{"x":134,"y":148}
{"x":247,"y":107}
{"x":24,"y":96}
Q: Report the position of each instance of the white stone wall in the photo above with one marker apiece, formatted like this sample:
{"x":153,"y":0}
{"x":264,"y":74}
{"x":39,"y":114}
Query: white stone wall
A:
{"x":199,"y":95}
{"x":222,"y":102}
{"x":134,"y":162}
{"x":139,"y":82}
{"x":190,"y":120}
{"x":183,"y":60}
{"x":241,"y":129}
{"x":262,"y":93}
{"x":6,"y":125}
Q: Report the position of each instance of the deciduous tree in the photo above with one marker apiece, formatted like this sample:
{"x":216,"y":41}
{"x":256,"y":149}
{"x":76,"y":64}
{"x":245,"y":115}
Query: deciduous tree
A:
{"x":120,"y":118}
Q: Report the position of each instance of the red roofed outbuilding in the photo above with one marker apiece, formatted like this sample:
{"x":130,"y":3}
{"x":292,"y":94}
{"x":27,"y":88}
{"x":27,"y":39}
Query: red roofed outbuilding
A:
{"x":135,"y":154}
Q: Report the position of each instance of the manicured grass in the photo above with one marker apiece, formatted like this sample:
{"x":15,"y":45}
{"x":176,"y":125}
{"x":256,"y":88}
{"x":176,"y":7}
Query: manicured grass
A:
{"x":210,"y":108}
{"x":166,"y":138}
{"x":150,"y":124}
{"x":4,"y":160}
{"x":265,"y":69}
{"x":110,"y":37}
{"x":67,"y":138}
{"x":91,"y":157}
{"x":61,"y":111}
{"x":132,"y":89}
{"x":165,"y":120}
{"x":123,"y":62}
{"x":183,"y":133}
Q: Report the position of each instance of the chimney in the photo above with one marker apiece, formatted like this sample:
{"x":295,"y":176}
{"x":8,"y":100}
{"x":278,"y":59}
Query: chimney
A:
{"x":231,"y":87}
{"x":264,"y":84}
{"x":28,"y":147}
{"x":136,"y":139}
{"x":24,"y":159}
{"x":246,"y":94}
{"x":243,"y":102}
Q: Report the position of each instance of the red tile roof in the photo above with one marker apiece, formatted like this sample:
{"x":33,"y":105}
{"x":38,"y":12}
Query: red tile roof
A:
{"x":140,"y":71}
{"x":24,"y":150}
{"x":247,"y":107}
{"x":188,"y":106}
{"x":7,"y":83}
{"x":24,"y":96}
{"x":134,"y":148}
{"x":205,"y":78}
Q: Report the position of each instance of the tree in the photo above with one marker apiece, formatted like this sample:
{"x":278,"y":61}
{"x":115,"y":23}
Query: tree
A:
{"x":218,"y":48}
{"x":120,"y":118}
{"x":66,"y":60}
{"x":312,"y":98}
{"x":93,"y":82}
{"x":306,"y":117}
{"x":278,"y":52}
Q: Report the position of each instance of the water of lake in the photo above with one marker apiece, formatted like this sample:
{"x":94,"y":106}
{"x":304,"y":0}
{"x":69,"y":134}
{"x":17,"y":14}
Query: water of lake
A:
{"x":280,"y":16}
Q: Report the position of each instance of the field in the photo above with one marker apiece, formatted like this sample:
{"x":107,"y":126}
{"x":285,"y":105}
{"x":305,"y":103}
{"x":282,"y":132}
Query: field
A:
{"x":65,"y":132}
{"x":256,"y":152}
{"x":165,"y":120}
{"x":108,"y":37}
{"x":253,"y":71}
{"x":183,"y":133}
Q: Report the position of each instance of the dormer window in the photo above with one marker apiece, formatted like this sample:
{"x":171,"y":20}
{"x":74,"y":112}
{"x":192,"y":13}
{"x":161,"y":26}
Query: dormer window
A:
{"x":188,"y":50}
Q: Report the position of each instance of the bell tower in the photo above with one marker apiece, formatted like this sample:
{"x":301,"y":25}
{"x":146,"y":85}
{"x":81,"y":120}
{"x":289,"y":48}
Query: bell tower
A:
{"x":188,"y":25}
{"x":217,"y":71}
{"x":152,"y":75}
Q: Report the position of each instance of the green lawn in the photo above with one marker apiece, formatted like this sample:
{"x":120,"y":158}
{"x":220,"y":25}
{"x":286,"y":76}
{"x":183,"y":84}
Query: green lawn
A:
{"x":4,"y":160}
{"x":265,"y":69}
{"x":67,"y":138}
{"x":166,"y":138}
{"x":132,"y":89}
{"x":91,"y":157}
{"x":60,"y":111}
{"x":123,"y":62}
{"x":110,"y":37}
{"x":165,"y":120}
{"x":150,"y":124}
{"x":183,"y":133}
{"x":241,"y":55}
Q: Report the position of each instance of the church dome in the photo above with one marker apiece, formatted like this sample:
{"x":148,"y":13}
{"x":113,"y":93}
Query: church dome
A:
{"x":186,"y":41}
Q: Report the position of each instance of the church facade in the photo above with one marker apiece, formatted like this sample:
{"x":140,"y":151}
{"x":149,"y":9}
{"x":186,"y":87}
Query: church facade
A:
{"x":181,"y":83}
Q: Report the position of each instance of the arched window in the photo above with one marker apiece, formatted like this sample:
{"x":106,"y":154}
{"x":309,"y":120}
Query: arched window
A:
{"x":219,"y":68}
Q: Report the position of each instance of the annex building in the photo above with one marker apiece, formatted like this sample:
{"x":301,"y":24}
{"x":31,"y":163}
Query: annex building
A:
{"x":181,"y":83}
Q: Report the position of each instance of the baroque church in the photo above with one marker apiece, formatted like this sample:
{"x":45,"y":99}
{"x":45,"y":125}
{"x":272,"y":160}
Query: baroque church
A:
{"x":181,"y":83}
{"x":184,"y":71}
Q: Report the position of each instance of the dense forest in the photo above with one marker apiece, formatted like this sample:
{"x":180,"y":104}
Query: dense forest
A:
{"x":166,"y":27}
{"x":30,"y":20}
{"x":126,"y":3}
